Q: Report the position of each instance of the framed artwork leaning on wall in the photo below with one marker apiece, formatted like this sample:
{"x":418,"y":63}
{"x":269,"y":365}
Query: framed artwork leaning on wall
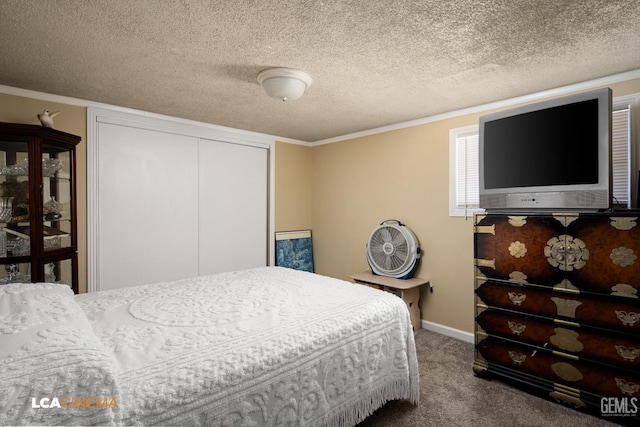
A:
{"x":294,"y":249}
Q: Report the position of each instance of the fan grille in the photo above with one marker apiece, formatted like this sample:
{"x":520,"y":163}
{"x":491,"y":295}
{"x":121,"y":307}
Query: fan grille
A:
{"x":389,"y":248}
{"x":392,"y":250}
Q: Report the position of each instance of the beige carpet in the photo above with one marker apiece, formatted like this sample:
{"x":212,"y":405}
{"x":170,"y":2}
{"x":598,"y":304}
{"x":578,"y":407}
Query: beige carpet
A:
{"x":451,"y":395}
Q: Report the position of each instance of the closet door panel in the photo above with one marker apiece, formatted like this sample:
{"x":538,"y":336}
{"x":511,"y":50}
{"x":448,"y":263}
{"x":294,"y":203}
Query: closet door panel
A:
{"x":148,"y":206}
{"x":233,"y":210}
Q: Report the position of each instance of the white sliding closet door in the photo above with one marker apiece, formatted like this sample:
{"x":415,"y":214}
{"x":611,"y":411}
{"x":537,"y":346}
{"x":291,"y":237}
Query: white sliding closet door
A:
{"x":233,"y":210}
{"x":147,"y":206}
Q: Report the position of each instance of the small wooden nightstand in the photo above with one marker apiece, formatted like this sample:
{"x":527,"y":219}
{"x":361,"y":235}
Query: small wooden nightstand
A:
{"x":408,"y":290}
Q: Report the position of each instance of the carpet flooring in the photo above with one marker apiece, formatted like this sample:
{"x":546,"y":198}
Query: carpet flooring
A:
{"x":451,"y":395}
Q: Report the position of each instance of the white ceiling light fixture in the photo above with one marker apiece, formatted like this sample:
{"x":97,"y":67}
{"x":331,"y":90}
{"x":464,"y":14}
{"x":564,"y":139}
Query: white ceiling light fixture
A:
{"x":284,"y":83}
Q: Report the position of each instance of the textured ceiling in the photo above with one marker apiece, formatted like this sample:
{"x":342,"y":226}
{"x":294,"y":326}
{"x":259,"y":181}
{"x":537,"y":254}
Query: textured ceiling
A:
{"x":374,"y":63}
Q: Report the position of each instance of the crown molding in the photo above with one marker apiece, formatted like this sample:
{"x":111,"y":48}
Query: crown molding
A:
{"x":560,"y":91}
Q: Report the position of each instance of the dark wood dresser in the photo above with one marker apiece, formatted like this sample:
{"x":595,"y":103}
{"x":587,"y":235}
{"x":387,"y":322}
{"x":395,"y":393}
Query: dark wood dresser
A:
{"x":558,"y":309}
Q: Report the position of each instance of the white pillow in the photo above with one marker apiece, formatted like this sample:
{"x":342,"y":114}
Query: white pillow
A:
{"x":53,"y":369}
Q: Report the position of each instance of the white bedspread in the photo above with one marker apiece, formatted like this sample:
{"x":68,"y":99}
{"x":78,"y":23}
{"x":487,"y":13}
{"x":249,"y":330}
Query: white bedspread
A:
{"x":268,"y":346}
{"x":48,"y":351}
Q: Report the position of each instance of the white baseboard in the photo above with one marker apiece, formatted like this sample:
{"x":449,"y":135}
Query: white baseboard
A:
{"x":448,"y":331}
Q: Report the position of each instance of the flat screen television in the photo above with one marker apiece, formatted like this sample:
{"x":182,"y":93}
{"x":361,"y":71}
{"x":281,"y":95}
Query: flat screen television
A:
{"x":552,"y":155}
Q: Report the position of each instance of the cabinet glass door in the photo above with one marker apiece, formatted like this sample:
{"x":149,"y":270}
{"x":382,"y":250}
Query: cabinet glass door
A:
{"x":14,"y":211}
{"x":56,"y":198}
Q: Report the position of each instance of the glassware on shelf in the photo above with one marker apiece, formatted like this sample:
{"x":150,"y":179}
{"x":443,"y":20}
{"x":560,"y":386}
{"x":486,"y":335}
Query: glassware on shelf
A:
{"x":16,"y":170}
{"x":52,"y":243}
{"x":12,"y":271}
{"x":50,"y":275}
{"x":52,"y":209}
{"x":20,"y":247}
{"x":51,"y":166}
{"x":6,"y":209}
{"x":12,"y":274}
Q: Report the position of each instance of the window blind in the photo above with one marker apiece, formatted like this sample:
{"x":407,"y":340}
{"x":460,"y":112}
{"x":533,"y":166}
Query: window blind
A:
{"x":620,"y":155}
{"x":467,"y":171}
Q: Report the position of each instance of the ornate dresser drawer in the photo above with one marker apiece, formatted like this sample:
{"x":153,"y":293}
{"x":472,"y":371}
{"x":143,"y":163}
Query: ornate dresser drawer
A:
{"x":614,"y":349}
{"x":558,"y":306}
{"x":555,"y":368}
{"x":622,"y":314}
{"x":613,"y":246}
{"x":589,"y":252}
{"x":509,"y":248}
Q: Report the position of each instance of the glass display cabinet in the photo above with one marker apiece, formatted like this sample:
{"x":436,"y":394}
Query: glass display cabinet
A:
{"x":38,"y":228}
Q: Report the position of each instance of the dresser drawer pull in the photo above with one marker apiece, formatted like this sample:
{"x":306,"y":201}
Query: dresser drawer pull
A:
{"x":624,"y":257}
{"x":623,"y":223}
{"x":518,"y":358}
{"x":567,"y":399}
{"x":566,"y":323}
{"x":536,"y":350}
{"x":624,"y":290}
{"x":566,"y":339}
{"x":517,"y":221}
{"x":517,"y":249}
{"x":628,"y":353}
{"x":627,"y":387}
{"x":566,"y":307}
{"x":486,"y":229}
{"x":516,"y":328}
{"x":566,"y":252}
{"x":565,"y":355}
{"x":627,"y":318}
{"x":567,"y":372}
{"x":490,"y":263}
{"x":516,"y":299}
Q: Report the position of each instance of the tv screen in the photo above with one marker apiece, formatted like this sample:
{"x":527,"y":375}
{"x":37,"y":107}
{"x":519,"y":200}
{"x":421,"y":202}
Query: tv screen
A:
{"x":554,"y":146}
{"x":551,"y":155}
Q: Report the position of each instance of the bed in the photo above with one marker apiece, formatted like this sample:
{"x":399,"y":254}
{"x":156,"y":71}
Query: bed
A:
{"x":265,"y":346}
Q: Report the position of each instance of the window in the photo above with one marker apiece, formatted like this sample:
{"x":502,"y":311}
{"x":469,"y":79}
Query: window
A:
{"x":463,"y":159}
{"x":625,"y":114}
{"x":620,"y":156}
{"x":464,"y":175}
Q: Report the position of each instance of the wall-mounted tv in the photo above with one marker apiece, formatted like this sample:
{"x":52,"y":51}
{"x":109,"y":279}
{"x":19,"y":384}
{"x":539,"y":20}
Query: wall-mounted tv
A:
{"x":552,"y":155}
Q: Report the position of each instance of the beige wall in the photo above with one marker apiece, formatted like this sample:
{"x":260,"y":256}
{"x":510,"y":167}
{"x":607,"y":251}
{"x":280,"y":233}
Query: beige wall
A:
{"x":293,"y":187}
{"x":402,"y":174}
{"x":72,"y":119}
